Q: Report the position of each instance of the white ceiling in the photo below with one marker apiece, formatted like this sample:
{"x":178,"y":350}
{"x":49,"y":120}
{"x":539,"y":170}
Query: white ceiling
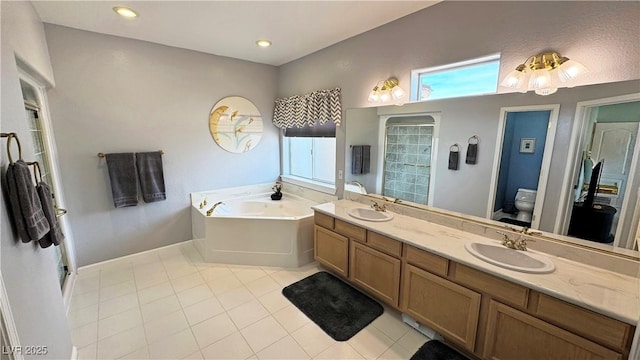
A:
{"x":231,"y":28}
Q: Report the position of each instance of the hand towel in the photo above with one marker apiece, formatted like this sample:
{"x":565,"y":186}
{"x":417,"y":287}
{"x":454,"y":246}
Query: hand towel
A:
{"x":31,"y":223}
{"x":151,"y":176}
{"x":124,"y":179}
{"x":454,"y":156}
{"x":366,"y":159}
{"x":54,"y":236}
{"x":356,"y":159}
{"x":472,"y":154}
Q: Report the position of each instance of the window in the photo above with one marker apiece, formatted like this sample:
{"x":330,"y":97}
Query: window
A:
{"x":471,"y":77}
{"x":310,"y":158}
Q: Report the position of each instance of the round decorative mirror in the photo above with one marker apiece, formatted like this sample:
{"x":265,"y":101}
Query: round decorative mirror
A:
{"x":235,"y":124}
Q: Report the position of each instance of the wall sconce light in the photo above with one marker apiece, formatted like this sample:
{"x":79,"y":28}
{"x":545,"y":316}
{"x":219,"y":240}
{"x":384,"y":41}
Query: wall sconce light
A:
{"x":386,"y":90}
{"x":543,"y":73}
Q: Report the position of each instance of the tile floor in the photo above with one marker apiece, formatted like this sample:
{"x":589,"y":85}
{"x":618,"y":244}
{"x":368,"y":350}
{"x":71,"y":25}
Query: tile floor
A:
{"x":170,"y":304}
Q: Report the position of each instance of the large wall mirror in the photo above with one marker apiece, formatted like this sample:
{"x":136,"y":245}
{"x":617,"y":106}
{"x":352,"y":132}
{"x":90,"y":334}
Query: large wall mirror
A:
{"x":566,"y":164}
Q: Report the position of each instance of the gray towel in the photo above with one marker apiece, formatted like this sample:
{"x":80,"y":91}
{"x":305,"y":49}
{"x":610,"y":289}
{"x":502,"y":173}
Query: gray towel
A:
{"x":124,"y":179}
{"x":29,"y":218}
{"x":356,"y":159}
{"x":54,"y":236}
{"x":151,"y":176}
{"x":454,"y":157}
{"x":366,"y":158}
{"x":472,"y":154}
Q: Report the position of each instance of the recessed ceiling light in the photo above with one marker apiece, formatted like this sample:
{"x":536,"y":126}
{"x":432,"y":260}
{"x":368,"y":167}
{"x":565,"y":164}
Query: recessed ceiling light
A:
{"x":125,"y":12}
{"x":263,"y":43}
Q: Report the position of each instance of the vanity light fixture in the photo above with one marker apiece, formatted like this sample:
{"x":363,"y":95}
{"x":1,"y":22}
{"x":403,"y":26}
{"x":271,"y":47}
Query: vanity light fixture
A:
{"x":125,"y":12}
{"x":543,"y":73}
{"x":386,"y":90}
{"x":263,"y":43}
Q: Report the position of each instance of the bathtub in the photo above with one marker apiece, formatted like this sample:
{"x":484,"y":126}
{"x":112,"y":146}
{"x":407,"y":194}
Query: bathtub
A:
{"x":252,"y":229}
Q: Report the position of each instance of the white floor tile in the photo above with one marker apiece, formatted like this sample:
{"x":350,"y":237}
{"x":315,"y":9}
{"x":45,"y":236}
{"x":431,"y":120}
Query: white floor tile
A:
{"x":118,"y":305}
{"x":83,"y":316}
{"x":85,"y":335}
{"x":214,"y":273}
{"x":312,"y":339}
{"x":232,"y":347}
{"x":195,"y":356}
{"x":187,"y":282}
{"x":140,"y":354}
{"x":391,"y":324}
{"x":88,"y":352}
{"x":120,"y":322}
{"x":274,"y":301}
{"x":339,"y":350}
{"x":155,"y":292}
{"x":166,"y":325}
{"x":143,"y":259}
{"x":121,"y":344}
{"x":370,"y":342}
{"x":177,"y":269}
{"x":160,"y":307}
{"x":203,"y":310}
{"x":79,"y":301}
{"x":194,"y":295}
{"x":115,"y":277}
{"x":224,"y":284}
{"x":146,"y":280}
{"x":271,"y":269}
{"x":285,"y":348}
{"x":148,"y":268}
{"x":174,"y":346}
{"x":248,"y":275}
{"x":263,"y":286}
{"x":235,"y":297}
{"x":288,"y":277}
{"x":248,"y":313}
{"x":214,"y":329}
{"x":83,"y":286}
{"x":291,"y":318}
{"x":263,"y":333}
{"x":114,"y":291}
{"x":396,"y":352}
{"x":412,"y":340}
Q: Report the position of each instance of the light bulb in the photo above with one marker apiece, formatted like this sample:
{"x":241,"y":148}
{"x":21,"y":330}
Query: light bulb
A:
{"x":571,"y":69}
{"x":373,"y":96}
{"x":540,"y":78}
{"x":385,"y":96}
{"x":514,"y":79}
{"x":397,"y":92}
{"x":125,"y":12}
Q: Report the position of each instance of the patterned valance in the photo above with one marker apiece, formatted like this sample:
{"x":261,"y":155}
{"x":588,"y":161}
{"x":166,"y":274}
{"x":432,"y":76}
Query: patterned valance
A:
{"x":314,"y":108}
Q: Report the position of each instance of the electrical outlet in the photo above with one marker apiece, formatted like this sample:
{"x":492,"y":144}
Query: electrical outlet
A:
{"x":339,"y":174}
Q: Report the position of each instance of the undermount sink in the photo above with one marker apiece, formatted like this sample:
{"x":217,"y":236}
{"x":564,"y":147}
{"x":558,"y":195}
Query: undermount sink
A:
{"x":370,"y":214}
{"x":523,"y":261}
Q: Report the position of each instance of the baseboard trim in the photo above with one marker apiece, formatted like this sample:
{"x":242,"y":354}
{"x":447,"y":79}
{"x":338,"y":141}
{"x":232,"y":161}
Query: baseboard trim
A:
{"x":67,"y":290}
{"x":102,"y":263}
{"x":74,"y":353}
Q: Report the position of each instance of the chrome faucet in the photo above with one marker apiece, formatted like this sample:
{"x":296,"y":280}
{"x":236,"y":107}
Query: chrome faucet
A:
{"x":358,"y":184}
{"x":520,"y":244}
{"x":210,"y":211}
{"x":378,"y":207}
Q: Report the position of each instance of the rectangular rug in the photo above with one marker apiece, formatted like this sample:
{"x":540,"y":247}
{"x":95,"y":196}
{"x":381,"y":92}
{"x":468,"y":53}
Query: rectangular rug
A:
{"x":339,"y":309}
{"x":436,"y":350}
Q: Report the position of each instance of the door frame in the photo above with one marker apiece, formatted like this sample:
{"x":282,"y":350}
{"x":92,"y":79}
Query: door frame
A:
{"x":50,"y":146}
{"x":9,"y":324}
{"x":554,"y":110}
{"x":580,"y":122}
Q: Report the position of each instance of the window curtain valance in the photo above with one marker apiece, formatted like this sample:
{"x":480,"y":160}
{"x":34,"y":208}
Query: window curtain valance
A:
{"x":310,"y":109}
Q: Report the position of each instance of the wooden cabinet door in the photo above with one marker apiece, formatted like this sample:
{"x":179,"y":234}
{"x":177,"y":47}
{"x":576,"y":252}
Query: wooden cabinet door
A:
{"x":375,"y":271}
{"x":512,"y":334}
{"x":442,"y":305}
{"x":331,"y":250}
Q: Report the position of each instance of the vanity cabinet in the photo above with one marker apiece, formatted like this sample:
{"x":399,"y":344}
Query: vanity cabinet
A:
{"x":376,"y":272}
{"x":513,"y":334}
{"x":331,"y":250}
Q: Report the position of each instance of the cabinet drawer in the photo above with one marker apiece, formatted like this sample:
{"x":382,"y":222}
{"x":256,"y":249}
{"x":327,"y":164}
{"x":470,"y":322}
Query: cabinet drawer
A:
{"x":584,"y":322}
{"x":323,"y":220}
{"x":350,"y":231}
{"x":426,"y":261}
{"x":384,"y":244}
{"x":494,"y":286}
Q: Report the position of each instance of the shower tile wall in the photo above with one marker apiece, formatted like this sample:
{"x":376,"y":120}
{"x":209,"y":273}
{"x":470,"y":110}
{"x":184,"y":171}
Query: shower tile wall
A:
{"x":408,"y":162}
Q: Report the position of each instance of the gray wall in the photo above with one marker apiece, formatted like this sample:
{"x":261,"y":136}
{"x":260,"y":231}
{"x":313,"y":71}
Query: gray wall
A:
{"x":120,"y":95}
{"x":601,"y":35}
{"x":29,"y":273}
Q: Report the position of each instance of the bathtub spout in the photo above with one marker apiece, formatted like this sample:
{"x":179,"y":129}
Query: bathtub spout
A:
{"x":203,"y":203}
{"x":210,"y":211}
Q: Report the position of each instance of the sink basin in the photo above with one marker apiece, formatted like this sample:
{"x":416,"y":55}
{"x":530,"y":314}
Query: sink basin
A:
{"x":370,"y":214}
{"x":523,"y":261}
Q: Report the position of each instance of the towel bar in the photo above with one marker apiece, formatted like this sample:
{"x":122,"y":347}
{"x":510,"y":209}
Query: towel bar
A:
{"x":101,"y":155}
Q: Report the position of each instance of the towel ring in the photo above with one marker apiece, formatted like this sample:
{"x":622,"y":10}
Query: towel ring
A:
{"x":454,"y":147}
{"x":474,"y":137}
{"x":9,"y":137}
{"x":37,"y":173}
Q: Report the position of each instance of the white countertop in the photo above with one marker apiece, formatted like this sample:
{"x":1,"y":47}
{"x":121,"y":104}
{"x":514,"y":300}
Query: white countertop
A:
{"x":605,"y":292}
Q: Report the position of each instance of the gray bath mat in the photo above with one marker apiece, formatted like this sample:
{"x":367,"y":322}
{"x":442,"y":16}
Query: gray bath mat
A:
{"x":435,"y":350}
{"x":340,"y":310}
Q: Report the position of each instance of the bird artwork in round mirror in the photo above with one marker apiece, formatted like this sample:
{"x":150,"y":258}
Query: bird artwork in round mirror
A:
{"x":235,"y":124}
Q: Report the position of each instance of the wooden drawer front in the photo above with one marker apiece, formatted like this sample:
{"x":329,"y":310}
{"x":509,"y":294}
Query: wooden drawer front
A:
{"x":426,"y":260}
{"x":377,"y":272}
{"x":350,"y":231}
{"x":584,"y":322}
{"x":494,"y":286}
{"x":438,"y":303}
{"x":323,"y":220}
{"x":512,"y":334}
{"x":331,"y":250}
{"x":384,"y":244}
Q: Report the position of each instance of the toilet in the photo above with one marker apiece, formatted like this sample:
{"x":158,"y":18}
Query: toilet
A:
{"x":525,"y":201}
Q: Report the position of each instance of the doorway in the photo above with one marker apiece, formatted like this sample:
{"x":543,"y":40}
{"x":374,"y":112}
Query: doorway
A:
{"x":522,"y":159}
